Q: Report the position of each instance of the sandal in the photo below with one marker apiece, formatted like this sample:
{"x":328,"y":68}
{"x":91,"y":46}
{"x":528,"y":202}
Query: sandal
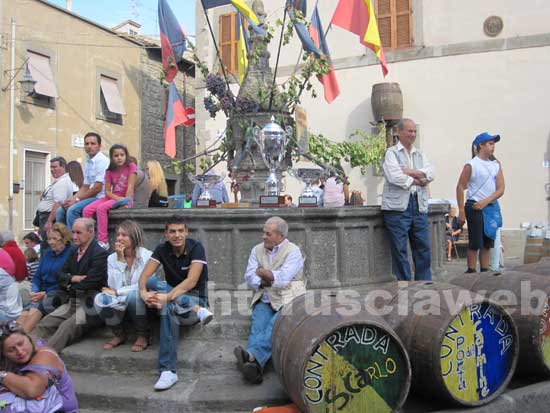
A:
{"x":115,"y":342}
{"x":139,"y":345}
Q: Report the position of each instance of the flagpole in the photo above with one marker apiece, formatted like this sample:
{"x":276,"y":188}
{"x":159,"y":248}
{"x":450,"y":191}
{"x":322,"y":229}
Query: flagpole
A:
{"x":303,"y":85}
{"x":215,"y":44}
{"x":277,"y":63}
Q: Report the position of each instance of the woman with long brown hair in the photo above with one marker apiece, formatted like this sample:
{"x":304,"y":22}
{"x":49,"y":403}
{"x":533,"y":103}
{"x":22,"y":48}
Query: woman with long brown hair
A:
{"x":119,"y":304}
{"x":35,"y":377}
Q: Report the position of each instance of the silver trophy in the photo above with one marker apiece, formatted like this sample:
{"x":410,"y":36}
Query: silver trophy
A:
{"x":272,"y":140}
{"x":206,"y":181}
{"x":308,"y":198}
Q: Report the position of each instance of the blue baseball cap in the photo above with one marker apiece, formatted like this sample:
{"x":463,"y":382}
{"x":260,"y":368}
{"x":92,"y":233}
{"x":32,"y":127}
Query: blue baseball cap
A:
{"x":484,"y":137}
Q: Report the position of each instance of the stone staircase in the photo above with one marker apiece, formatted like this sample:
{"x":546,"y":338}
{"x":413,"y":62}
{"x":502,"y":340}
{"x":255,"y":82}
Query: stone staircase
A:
{"x":122,"y":381}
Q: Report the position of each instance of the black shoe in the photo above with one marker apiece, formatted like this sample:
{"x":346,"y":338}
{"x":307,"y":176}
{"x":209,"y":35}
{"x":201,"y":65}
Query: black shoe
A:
{"x":252,"y":372}
{"x":470,"y":271}
{"x":242,"y":357}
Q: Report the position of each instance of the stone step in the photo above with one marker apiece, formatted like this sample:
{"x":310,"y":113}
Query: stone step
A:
{"x":193,"y":356}
{"x":223,"y":327}
{"x":193,"y":393}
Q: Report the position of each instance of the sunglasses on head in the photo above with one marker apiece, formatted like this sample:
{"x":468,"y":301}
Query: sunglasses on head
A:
{"x":8,"y":328}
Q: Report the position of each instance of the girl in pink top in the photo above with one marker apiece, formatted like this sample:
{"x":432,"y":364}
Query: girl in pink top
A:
{"x":120,"y":179}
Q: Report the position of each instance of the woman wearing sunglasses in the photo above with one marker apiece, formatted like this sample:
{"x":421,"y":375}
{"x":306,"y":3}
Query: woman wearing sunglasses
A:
{"x":32,"y":379}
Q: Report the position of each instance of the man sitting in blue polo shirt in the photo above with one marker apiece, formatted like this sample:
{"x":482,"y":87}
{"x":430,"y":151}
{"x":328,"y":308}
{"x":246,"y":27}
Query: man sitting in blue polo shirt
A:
{"x":184,"y":294}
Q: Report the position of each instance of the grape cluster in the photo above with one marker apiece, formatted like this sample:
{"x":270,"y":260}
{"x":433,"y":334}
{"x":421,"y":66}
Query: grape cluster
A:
{"x":247,"y":105}
{"x":226,"y":103}
{"x":211,"y":106}
{"x":215,"y":84}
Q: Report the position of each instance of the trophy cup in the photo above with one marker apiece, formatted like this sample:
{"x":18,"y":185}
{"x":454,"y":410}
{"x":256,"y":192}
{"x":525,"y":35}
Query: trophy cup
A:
{"x":272,"y":141}
{"x":307,"y":198}
{"x":206,"y":181}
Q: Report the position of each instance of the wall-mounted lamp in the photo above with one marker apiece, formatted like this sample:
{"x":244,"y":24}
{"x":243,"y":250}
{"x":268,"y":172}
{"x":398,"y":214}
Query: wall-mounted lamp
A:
{"x":27,"y":82}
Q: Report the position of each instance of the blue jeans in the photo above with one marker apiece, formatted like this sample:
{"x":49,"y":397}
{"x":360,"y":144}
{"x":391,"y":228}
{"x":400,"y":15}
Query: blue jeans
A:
{"x":72,"y":213}
{"x":135,"y":314}
{"x":259,"y":340}
{"x":173,"y":315}
{"x":409,"y":225}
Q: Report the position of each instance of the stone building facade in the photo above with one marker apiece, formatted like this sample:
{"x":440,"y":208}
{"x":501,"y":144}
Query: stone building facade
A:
{"x":153,"y":98}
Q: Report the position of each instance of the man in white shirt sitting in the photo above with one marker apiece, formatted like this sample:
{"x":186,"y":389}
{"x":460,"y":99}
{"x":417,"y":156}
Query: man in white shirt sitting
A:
{"x":53,"y":197}
{"x":274,"y":272}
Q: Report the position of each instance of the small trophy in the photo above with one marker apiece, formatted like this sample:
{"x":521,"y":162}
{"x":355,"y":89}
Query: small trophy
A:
{"x":307,"y":198}
{"x":205,"y":181}
{"x":272,"y":140}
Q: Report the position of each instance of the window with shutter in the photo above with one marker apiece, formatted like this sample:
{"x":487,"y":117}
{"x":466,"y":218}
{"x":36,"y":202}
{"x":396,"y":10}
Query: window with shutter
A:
{"x":228,"y":41}
{"x":394,"y":19}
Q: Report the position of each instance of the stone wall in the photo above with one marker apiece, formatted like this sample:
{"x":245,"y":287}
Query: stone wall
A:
{"x":153,"y":96}
{"x":344,"y":247}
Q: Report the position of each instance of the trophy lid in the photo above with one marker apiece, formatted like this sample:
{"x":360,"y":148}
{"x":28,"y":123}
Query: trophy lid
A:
{"x":272,"y":128}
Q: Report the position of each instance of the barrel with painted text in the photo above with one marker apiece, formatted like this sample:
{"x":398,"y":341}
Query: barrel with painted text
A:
{"x":463,"y":347}
{"x":525,"y":297}
{"x":333,"y":356}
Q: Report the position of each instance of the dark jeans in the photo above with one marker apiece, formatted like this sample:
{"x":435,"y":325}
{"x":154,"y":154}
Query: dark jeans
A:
{"x":42,"y":219}
{"x":409,"y":226}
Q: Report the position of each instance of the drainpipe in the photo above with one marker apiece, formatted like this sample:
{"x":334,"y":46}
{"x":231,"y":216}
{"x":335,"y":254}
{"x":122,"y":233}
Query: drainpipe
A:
{"x":11,"y":131}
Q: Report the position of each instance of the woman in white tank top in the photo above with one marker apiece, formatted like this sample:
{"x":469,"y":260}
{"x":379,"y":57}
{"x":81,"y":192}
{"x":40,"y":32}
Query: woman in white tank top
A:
{"x":483,"y":178}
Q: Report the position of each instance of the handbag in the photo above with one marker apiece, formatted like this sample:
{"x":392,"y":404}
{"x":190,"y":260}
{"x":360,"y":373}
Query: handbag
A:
{"x":36,"y":220}
{"x":50,"y":402}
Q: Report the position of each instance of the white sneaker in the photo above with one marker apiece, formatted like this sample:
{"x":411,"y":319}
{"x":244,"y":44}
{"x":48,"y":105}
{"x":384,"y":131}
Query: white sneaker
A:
{"x":166,"y":380}
{"x":104,"y":245}
{"x":205,"y":315}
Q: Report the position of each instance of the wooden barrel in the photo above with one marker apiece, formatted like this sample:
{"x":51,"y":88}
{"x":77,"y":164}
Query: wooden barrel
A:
{"x":541,"y":267}
{"x":546,"y":247}
{"x":463,"y":348}
{"x":513,"y":290}
{"x":331,"y":358}
{"x":533,"y":250}
{"x":387,"y":101}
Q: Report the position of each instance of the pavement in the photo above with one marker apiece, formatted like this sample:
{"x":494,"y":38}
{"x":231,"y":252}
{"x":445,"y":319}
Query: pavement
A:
{"x":122,"y":381}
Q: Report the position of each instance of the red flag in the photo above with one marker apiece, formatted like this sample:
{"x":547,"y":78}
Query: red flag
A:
{"x":175,"y":115}
{"x":190,"y":112}
{"x":172,"y":40}
{"x":357,"y":16}
{"x":328,"y":80}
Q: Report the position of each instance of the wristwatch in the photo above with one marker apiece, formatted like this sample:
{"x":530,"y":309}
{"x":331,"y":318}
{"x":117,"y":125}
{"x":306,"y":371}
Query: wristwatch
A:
{"x":3,"y":375}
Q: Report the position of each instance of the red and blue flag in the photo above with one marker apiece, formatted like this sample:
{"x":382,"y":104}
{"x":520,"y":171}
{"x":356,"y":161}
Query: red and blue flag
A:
{"x":172,"y":40}
{"x":175,"y":115}
{"x":328,"y":80}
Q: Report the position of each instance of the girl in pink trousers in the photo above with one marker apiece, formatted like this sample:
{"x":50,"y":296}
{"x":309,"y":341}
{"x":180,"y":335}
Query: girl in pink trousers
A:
{"x":120,"y":179}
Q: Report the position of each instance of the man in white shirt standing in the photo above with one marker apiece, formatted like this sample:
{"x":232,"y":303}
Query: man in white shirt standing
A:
{"x":53,"y":197}
{"x":407,"y":173}
{"x":274,"y":272}
{"x":94,"y":178}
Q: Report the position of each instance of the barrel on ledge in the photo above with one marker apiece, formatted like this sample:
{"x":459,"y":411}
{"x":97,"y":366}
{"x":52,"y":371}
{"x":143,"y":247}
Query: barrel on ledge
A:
{"x":333,"y":356}
{"x":463,"y":347}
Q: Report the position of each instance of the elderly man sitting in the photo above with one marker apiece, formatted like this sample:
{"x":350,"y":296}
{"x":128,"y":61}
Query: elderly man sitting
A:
{"x":274,"y":272}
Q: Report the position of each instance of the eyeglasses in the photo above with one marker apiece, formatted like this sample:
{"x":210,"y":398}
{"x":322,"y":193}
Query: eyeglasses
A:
{"x":8,"y":328}
{"x":54,"y":239}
